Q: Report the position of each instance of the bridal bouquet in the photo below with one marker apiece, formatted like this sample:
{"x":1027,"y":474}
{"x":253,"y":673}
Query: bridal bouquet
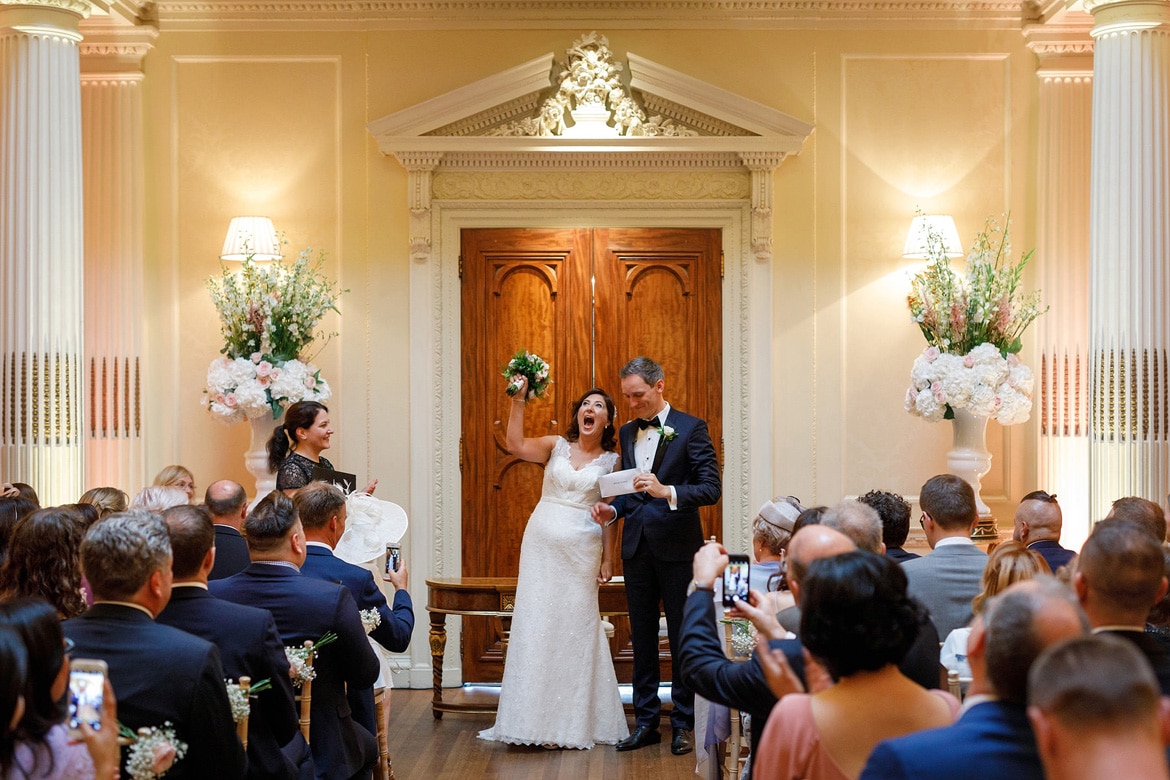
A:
{"x":525,"y":365}
{"x":973,"y":326}
{"x":267,"y":313}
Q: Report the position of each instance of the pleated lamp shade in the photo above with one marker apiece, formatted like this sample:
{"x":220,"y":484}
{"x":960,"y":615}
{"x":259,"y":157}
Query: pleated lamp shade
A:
{"x":253,"y":236}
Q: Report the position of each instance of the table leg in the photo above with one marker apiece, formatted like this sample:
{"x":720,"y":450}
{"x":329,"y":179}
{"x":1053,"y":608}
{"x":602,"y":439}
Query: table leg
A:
{"x":438,"y":646}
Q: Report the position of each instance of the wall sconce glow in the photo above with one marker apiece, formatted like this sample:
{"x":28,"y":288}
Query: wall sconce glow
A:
{"x":943,"y":225}
{"x":253,"y":236}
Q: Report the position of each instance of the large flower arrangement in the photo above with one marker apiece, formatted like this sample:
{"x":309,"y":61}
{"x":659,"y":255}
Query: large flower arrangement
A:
{"x":973,"y":326}
{"x":267,"y":314}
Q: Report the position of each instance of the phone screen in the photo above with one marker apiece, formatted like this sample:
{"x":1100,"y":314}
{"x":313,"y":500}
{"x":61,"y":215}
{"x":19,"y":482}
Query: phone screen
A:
{"x":85,"y":697}
{"x":393,"y":557}
{"x":735,"y":580}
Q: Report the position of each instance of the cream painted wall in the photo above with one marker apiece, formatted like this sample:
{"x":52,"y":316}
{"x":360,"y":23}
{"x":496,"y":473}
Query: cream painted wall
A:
{"x":275,"y":123}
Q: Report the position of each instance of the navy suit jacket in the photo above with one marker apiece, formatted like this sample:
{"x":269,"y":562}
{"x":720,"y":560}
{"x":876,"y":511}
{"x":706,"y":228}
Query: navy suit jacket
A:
{"x":249,"y":645}
{"x":992,"y":739}
{"x":1053,"y":553}
{"x":161,"y":674}
{"x":1154,"y":651}
{"x":688,"y":463}
{"x":307,"y":608}
{"x":231,"y":553}
{"x":898,"y":555}
{"x":393,"y":633}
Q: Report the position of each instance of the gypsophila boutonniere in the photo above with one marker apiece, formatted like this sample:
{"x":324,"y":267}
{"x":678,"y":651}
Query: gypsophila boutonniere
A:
{"x":371,"y":619}
{"x":299,"y":668}
{"x":153,"y":750}
{"x":666,"y":432}
{"x":241,"y":699}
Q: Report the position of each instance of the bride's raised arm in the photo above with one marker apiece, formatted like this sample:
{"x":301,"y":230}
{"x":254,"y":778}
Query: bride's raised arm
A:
{"x":535,"y":449}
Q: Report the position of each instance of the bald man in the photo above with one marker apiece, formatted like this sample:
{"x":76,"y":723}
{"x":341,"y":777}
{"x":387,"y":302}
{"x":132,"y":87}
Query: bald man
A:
{"x":1038,"y":524}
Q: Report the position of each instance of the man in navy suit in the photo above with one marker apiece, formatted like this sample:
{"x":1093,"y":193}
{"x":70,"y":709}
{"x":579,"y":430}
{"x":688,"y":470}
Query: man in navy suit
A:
{"x":1120,"y":575}
{"x":946,"y":580}
{"x":228,"y":505}
{"x":992,"y":737}
{"x":662,"y":532}
{"x":1038,"y":524}
{"x":158,"y":673}
{"x":321,"y":508}
{"x":248,"y":642}
{"x":308,"y":608}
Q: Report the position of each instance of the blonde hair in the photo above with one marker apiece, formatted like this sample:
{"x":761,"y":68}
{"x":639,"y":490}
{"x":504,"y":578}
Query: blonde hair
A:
{"x":107,"y":500}
{"x":1010,"y":562}
{"x":172,"y":474}
{"x":158,"y":499}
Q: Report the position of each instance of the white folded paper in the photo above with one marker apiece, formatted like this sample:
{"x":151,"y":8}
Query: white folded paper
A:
{"x":617,"y":483}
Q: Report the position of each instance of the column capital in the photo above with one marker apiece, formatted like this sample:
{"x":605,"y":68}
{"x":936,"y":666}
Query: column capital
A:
{"x":55,"y":17}
{"x":1064,"y":48}
{"x":1113,"y":16}
{"x":112,"y":48}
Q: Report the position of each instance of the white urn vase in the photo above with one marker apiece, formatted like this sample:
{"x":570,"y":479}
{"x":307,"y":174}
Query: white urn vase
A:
{"x":970,"y":459}
{"x":256,"y":458}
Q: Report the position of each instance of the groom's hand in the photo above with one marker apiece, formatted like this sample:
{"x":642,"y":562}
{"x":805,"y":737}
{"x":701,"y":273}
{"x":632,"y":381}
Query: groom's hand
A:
{"x":602,"y":513}
{"x":647,"y":482}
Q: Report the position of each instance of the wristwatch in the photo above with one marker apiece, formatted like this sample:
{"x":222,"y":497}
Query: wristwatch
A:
{"x":696,"y":586}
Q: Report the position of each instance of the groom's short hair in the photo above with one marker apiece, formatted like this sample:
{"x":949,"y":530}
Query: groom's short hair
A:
{"x":644,"y":367}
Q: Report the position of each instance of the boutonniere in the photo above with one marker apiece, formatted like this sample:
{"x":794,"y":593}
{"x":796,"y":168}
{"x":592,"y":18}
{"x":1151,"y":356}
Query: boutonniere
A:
{"x":666,"y":432}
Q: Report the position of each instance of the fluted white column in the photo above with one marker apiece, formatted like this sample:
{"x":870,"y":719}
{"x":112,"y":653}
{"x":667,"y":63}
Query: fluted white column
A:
{"x":112,"y":151}
{"x":41,"y":247}
{"x":1129,"y":314}
{"x":1061,"y":402}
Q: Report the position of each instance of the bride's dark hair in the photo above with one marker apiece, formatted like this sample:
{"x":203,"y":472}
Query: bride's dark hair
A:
{"x":608,"y":434}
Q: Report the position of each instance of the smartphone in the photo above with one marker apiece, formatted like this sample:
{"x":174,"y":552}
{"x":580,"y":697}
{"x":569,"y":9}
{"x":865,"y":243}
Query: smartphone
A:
{"x":735,"y":579}
{"x":87,"y":677}
{"x":393,"y":557}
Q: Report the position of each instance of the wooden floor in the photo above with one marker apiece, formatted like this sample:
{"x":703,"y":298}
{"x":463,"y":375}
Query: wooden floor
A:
{"x":422,"y":748}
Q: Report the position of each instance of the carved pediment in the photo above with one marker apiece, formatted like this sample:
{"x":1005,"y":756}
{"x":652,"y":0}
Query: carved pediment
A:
{"x":589,"y":102}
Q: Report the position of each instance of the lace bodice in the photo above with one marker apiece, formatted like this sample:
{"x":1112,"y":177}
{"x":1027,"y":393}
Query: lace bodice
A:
{"x":579,"y":486}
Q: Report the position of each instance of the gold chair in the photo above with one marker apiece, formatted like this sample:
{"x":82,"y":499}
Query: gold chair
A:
{"x":385,"y":768}
{"x":954,"y":685}
{"x":245,"y":684}
{"x":736,"y":750}
{"x":305,"y":697}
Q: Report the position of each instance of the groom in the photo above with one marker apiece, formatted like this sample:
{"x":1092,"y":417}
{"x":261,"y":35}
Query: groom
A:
{"x":662,"y":534}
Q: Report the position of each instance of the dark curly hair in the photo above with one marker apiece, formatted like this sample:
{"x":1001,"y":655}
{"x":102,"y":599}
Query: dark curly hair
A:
{"x":35,"y":622}
{"x":44,"y":560}
{"x":855,"y":613}
{"x":895,"y":514}
{"x":608,"y":434}
{"x":12,"y":510}
{"x":302,"y":414}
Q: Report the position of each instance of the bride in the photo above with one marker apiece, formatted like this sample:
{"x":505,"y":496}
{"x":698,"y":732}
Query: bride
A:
{"x":559,"y":686}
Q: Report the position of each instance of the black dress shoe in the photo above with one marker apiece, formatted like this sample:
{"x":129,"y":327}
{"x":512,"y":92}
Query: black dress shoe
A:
{"x":640,"y":738}
{"x":681,"y":742}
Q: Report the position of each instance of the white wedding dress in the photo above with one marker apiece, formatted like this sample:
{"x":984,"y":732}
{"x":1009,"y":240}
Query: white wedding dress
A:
{"x":559,"y":684}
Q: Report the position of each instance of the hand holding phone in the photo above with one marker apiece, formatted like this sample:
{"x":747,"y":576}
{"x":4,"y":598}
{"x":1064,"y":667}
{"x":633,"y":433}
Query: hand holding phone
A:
{"x":87,"y":679}
{"x":735,"y":580}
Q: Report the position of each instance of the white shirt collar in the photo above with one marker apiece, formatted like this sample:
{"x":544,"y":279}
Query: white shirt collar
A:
{"x":947,"y":541}
{"x":319,"y":544}
{"x":190,"y":584}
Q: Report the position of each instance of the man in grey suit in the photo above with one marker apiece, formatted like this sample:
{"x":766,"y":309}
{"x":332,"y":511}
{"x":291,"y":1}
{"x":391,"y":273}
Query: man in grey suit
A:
{"x":947,"y":579}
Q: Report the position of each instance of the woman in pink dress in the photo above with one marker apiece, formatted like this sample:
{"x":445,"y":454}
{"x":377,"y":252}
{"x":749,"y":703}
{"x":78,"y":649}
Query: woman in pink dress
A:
{"x":857,"y":621}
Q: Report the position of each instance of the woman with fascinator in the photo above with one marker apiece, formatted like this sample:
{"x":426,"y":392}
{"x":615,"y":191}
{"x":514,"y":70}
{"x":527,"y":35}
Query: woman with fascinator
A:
{"x":772,"y":530}
{"x":559,"y":687}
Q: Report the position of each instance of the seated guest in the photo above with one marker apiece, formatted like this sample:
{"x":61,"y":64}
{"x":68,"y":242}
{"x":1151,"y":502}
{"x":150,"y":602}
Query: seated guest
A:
{"x":947,"y":579}
{"x":308,"y":608}
{"x":12,"y":510}
{"x":895,"y":514}
{"x":1009,"y":563}
{"x":108,"y":500}
{"x":158,"y":498}
{"x":228,"y":505}
{"x":159,"y":673}
{"x":20,"y":490}
{"x":13,"y":681}
{"x":43,"y":560}
{"x":992,"y":737}
{"x":1095,"y":708}
{"x":177,"y":476}
{"x":771,"y":532}
{"x":44,"y":749}
{"x":1158,"y":618}
{"x":1143,"y":511}
{"x":247,"y":639}
{"x":321,"y":508}
{"x":1119,"y":578}
{"x":1038,"y":523}
{"x":858,"y":622}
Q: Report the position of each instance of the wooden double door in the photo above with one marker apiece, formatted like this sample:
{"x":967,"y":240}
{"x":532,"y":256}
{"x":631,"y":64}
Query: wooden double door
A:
{"x":586,"y":300}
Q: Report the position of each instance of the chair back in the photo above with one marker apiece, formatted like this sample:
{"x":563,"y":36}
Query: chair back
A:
{"x":245,"y":684}
{"x":384,"y":770}
{"x":305,"y":697}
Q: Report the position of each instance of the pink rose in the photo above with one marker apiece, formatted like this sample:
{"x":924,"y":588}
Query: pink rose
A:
{"x":264,"y":381}
{"x":263,"y":368}
{"x":164,"y":758}
{"x":937,"y":389}
{"x":310,"y":382}
{"x":229,"y":400}
{"x":1013,"y":360}
{"x":256,"y":357}
{"x":968,"y":361}
{"x":275,"y":374}
{"x":931,"y":354}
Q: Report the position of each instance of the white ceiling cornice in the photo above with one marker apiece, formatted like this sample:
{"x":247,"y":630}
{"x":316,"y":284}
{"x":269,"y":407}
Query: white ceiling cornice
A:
{"x":574,"y":14}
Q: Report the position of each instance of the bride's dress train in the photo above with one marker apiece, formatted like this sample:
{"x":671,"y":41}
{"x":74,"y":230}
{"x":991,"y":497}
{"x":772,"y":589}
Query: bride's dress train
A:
{"x":559,"y":684}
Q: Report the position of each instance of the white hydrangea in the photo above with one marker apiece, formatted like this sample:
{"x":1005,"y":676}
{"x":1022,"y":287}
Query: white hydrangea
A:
{"x":983,"y":382}
{"x":246,"y":388}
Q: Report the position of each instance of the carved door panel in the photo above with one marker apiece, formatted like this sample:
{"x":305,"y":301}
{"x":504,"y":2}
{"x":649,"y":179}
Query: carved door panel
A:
{"x":585,"y":300}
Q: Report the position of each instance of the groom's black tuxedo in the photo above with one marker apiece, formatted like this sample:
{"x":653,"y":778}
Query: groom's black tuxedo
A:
{"x":658,"y":544}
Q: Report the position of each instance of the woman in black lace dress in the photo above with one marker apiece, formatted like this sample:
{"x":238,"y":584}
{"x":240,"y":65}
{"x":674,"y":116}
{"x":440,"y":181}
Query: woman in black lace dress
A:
{"x":296,"y":446}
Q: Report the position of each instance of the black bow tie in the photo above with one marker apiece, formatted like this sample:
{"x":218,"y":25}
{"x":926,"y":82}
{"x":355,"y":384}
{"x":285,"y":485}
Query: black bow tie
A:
{"x":644,"y":424}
